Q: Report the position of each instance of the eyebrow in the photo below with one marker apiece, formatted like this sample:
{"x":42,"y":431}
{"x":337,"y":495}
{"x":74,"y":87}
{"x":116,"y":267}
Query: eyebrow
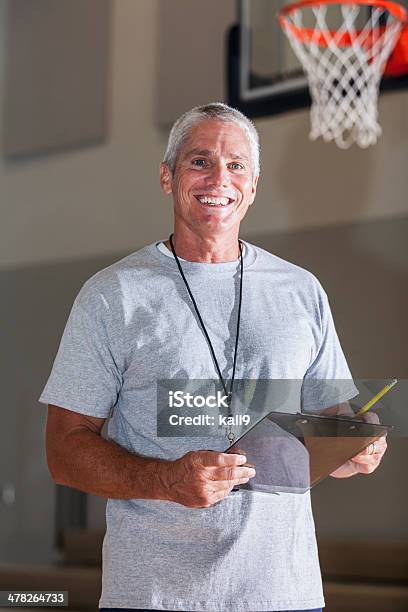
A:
{"x":209,"y":153}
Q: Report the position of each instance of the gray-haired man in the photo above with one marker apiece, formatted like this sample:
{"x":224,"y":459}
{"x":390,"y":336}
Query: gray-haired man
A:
{"x":178,"y":537}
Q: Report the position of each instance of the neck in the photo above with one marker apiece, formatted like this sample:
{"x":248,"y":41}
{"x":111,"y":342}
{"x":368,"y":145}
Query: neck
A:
{"x":205,"y":249}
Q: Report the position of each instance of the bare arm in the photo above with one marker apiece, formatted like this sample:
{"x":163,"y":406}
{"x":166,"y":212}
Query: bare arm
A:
{"x":79,"y":457}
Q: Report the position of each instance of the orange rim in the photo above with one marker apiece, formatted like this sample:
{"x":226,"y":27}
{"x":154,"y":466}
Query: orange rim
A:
{"x":397,"y":64}
{"x":307,"y":35}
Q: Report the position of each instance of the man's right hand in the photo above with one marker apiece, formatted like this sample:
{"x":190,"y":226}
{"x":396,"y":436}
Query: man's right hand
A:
{"x":200,"y":479}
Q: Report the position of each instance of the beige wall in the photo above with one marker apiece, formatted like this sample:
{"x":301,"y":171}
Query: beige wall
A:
{"x":100,"y":199}
{"x":306,"y":183}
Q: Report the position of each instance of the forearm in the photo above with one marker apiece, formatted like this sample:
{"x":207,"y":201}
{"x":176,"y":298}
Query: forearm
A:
{"x":92,"y":464}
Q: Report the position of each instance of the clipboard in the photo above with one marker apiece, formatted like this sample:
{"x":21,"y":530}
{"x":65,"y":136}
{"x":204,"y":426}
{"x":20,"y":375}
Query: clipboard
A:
{"x":293,"y":452}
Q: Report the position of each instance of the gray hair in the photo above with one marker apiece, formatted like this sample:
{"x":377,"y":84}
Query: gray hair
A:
{"x":216,"y":111}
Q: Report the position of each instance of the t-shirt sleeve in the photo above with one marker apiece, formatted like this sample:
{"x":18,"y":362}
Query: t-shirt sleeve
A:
{"x":328,"y":380}
{"x":84,"y":377}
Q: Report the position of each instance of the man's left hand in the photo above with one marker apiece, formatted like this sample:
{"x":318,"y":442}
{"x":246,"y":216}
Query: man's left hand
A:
{"x":366,"y":461}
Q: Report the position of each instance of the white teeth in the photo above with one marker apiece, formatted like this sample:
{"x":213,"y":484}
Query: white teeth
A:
{"x":213,"y":201}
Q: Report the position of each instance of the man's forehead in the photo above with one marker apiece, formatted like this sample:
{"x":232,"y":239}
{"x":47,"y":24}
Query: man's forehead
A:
{"x":213,"y":151}
{"x":211,"y":135}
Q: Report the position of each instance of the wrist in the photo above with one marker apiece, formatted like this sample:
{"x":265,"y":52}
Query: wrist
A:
{"x":149,"y":478}
{"x":161,"y":480}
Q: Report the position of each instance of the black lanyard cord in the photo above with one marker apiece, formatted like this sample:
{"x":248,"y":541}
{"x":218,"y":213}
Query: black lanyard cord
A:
{"x":228,"y":394}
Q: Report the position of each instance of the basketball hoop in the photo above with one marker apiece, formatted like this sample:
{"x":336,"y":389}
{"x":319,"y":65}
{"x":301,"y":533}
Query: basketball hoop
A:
{"x":344,"y":65}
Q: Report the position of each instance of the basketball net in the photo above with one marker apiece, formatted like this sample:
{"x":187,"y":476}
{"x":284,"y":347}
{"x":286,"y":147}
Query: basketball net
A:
{"x":344,"y":67}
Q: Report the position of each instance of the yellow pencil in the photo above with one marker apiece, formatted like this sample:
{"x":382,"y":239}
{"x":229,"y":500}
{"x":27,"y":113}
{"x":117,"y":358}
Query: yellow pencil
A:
{"x":375,"y":399}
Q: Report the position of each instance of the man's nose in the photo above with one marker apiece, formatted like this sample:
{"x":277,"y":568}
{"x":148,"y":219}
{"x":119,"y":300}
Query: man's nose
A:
{"x":219,"y":175}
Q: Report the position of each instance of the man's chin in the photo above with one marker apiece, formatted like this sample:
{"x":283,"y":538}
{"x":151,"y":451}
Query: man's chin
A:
{"x":216,"y":223}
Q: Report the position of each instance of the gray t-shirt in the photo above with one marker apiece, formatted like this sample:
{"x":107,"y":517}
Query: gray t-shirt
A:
{"x":133,"y":324}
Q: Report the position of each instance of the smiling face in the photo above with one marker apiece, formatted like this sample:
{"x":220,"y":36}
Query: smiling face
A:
{"x":213,"y":184}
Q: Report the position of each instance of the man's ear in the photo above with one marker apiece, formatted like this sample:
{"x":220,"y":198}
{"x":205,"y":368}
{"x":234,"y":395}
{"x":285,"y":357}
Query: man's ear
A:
{"x":166,"y":178}
{"x":254,"y":186}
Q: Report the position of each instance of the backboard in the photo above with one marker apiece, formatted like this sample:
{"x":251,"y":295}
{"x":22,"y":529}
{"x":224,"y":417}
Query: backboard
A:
{"x":264,"y":75}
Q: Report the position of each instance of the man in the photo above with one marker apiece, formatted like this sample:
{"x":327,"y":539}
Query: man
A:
{"x":178,"y":537}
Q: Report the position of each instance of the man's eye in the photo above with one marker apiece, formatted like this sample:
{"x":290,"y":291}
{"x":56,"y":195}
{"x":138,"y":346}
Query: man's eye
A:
{"x":236,"y":166}
{"x":198,"y":162}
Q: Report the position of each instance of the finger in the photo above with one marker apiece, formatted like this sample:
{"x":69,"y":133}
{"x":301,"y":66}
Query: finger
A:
{"x":215,"y":459}
{"x":365,"y":468}
{"x":346,"y":410}
{"x":370,"y":417}
{"x":379,"y":445}
{"x":220,"y":485}
{"x":376,"y":445}
{"x":232,"y":473}
{"x":364,"y":456}
{"x":217,"y":497}
{"x":368,"y":466}
{"x":240,"y":451}
{"x":365,"y":459}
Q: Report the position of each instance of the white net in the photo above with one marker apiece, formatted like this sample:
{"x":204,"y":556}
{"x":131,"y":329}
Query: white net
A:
{"x":344,"y":66}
